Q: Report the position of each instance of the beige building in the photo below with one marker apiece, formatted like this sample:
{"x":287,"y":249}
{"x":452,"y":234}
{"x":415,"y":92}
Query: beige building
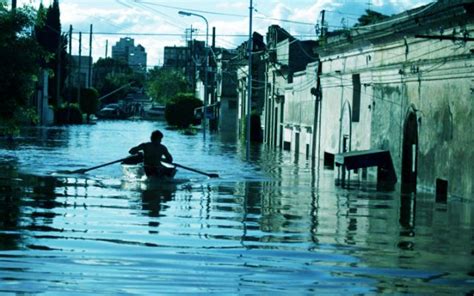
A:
{"x":403,"y":85}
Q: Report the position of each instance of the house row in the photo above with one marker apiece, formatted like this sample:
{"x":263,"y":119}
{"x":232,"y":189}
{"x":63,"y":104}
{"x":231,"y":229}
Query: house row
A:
{"x":402,"y":86}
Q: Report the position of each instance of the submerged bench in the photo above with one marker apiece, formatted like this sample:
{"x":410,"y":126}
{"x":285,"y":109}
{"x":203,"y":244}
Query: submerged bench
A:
{"x":353,"y":160}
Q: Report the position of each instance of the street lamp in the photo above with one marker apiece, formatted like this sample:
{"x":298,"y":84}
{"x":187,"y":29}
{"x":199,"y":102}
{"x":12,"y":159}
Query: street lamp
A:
{"x":186,"y":13}
{"x":206,"y":94}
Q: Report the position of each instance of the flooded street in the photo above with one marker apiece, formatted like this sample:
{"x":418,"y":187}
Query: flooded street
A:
{"x":265,"y":226}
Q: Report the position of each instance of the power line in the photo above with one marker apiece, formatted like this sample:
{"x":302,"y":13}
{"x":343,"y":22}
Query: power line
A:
{"x":146,"y":8}
{"x":179,"y":34}
{"x":223,"y":13}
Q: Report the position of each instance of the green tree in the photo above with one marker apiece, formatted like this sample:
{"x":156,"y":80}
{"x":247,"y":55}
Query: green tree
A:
{"x":89,"y":101}
{"x":110,"y":75}
{"x":19,"y":55}
{"x":48,"y":34}
{"x":180,"y":110}
{"x":370,"y":17}
{"x":164,"y":84}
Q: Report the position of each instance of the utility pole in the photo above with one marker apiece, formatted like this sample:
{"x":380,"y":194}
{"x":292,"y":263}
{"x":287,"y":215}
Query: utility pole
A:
{"x":13,"y":5}
{"x":89,"y":82}
{"x":213,"y":38}
{"x":69,"y":82}
{"x":213,"y":121}
{"x":106,"y":48}
{"x":79,"y":70}
{"x":69,"y":76}
{"x":318,"y":94}
{"x":193,"y":66}
{"x":323,"y":25}
{"x":249,"y":81}
{"x":58,"y":69}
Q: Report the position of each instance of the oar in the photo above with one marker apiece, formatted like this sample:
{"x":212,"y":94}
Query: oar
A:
{"x":82,"y":171}
{"x":210,"y":175}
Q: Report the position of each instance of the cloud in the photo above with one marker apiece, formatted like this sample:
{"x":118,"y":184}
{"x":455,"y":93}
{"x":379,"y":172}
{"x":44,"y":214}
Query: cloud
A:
{"x":121,"y":16}
{"x":111,"y":19}
{"x":281,"y":11}
{"x":232,"y":6}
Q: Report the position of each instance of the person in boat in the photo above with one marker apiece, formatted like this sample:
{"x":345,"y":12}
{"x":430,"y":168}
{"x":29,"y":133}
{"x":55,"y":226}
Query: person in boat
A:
{"x":153,"y":153}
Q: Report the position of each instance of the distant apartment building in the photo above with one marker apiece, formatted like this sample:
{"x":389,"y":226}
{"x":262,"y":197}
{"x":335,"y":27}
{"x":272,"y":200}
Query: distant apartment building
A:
{"x":126,"y":51}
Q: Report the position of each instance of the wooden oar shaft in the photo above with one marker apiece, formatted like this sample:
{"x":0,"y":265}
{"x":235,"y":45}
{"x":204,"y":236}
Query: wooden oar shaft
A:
{"x":193,"y":170}
{"x":105,"y":164}
{"x":101,"y":165}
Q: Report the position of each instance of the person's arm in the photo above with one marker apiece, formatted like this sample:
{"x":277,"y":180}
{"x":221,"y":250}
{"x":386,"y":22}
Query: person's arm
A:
{"x":135,"y":150}
{"x":167,"y":156}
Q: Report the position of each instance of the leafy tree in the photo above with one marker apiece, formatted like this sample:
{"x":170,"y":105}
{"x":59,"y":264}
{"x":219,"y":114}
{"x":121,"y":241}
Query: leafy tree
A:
{"x":163,"y":84}
{"x":19,"y":53}
{"x":68,"y":113}
{"x":110,"y":75}
{"x":89,"y":101}
{"x":370,"y":17}
{"x":180,"y":110}
{"x":48,"y":34}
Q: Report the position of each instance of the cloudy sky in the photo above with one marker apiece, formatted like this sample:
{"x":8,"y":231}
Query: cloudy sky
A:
{"x":156,"y":23}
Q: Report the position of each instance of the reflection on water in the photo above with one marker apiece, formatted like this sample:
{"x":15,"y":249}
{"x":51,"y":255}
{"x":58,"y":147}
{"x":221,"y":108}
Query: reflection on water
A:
{"x":265,"y":226}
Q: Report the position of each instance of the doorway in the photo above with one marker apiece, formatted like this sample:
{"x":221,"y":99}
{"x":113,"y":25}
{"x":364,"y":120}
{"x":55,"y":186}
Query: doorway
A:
{"x":410,"y":153}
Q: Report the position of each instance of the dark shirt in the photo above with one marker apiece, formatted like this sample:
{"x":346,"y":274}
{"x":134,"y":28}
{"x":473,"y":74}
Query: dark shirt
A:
{"x":153,"y":153}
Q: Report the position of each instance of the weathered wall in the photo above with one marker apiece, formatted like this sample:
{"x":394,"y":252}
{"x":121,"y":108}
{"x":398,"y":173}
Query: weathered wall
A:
{"x":337,"y":103}
{"x":435,"y":79}
{"x":398,"y":73}
{"x":274,"y":106}
{"x":299,"y":112}
{"x":431,"y":77}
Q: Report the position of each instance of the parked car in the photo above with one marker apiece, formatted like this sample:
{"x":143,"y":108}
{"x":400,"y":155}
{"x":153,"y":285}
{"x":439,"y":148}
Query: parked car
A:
{"x":111,"y":111}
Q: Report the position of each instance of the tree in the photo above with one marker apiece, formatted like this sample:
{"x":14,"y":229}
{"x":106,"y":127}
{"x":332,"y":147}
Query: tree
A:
{"x":180,"y":110}
{"x":370,"y":17}
{"x":111,"y":74}
{"x":164,"y":84}
{"x":48,"y":34}
{"x":19,"y":55}
{"x":89,"y":101}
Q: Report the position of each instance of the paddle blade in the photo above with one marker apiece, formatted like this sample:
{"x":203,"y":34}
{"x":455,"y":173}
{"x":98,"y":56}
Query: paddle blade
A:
{"x":213,"y":175}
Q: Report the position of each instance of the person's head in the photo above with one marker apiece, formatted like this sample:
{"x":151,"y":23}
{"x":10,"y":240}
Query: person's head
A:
{"x":156,"y":136}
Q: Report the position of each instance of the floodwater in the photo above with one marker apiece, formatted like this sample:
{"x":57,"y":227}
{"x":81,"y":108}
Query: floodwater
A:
{"x":265,"y":226}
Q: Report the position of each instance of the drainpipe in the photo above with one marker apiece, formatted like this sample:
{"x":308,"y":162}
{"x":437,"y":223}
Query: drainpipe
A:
{"x":318,"y":97}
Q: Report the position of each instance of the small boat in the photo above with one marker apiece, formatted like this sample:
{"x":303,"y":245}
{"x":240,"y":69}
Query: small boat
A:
{"x":133,"y":169}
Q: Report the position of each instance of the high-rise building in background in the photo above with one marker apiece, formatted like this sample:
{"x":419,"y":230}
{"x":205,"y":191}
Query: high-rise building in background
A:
{"x":126,"y":51}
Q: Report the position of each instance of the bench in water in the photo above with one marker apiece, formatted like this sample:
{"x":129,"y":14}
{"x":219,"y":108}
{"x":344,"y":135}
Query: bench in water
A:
{"x":354,"y":160}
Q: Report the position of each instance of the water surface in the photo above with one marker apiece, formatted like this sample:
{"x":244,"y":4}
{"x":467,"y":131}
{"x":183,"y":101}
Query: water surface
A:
{"x":270,"y":225}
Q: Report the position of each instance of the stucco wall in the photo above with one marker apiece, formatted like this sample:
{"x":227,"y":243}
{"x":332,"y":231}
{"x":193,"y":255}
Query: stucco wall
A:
{"x":337,"y":103}
{"x":434,"y":78}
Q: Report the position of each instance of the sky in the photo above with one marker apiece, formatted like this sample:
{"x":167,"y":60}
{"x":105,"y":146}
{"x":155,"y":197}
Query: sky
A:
{"x":156,"y":23}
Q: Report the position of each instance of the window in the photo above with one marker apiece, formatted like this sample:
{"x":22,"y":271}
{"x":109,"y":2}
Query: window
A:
{"x":356,"y":98}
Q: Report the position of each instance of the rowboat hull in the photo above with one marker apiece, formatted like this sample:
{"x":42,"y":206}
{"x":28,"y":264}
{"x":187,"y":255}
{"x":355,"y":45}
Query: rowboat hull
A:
{"x":137,"y":172}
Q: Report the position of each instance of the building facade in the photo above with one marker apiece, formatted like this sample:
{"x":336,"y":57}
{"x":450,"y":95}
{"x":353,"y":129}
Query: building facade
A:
{"x":258,"y":87}
{"x":226,"y":91}
{"x":186,"y":59}
{"x":288,"y":103}
{"x":134,"y":56}
{"x":403,"y":85}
